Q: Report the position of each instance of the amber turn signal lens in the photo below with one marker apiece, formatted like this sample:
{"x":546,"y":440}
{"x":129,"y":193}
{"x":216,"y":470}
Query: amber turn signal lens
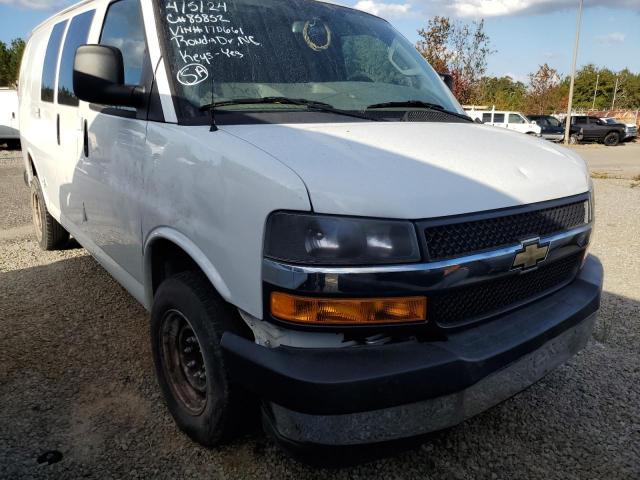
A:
{"x":348,"y":311}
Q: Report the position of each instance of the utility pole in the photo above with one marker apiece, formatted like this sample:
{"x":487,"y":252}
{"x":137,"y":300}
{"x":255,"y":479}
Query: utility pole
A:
{"x":567,"y":129}
{"x":615,"y":91}
{"x":595,"y":93}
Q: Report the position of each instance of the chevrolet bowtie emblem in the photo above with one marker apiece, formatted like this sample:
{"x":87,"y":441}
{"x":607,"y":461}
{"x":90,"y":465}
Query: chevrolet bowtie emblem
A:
{"x":531,"y":255}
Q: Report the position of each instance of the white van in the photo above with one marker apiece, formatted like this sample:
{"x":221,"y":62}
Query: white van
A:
{"x":515,"y":121}
{"x":308,"y":214}
{"x":9,"y":133}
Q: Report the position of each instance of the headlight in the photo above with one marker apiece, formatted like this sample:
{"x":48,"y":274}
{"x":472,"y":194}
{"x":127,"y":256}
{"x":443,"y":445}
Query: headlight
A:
{"x":328,"y":240}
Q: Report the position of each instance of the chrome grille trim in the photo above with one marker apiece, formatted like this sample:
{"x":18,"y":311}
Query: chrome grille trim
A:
{"x":419,"y":277}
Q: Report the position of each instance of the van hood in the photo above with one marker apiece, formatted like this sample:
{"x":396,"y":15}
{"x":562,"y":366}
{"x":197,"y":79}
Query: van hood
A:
{"x":419,"y":170}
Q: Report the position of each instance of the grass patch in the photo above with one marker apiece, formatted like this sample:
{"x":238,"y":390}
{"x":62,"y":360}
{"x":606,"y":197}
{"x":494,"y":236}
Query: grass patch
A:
{"x":600,"y":175}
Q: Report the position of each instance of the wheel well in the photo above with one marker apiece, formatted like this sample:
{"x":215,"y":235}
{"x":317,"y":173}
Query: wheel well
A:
{"x":168,"y":259}
{"x":34,"y":173}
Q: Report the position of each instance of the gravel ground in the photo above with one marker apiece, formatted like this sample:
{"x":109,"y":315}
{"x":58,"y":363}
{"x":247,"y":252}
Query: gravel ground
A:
{"x":622,"y":161}
{"x":76,"y":377}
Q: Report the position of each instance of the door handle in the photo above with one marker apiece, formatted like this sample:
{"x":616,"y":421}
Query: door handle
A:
{"x":85,"y":140}
{"x":58,"y":127}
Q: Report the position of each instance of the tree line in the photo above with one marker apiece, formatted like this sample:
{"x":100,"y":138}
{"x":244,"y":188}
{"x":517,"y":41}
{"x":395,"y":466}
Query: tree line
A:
{"x":10,"y":57}
{"x":463,"y":50}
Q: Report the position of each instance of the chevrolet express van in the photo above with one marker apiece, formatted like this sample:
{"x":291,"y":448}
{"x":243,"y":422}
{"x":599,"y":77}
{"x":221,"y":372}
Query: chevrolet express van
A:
{"x":308,"y":214}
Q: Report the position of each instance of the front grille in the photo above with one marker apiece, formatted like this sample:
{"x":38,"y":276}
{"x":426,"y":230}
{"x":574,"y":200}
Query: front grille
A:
{"x":468,"y":304}
{"x":457,"y":239}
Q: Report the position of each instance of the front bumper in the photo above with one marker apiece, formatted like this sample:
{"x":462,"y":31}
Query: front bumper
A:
{"x":554,"y":137}
{"x":367,"y":394}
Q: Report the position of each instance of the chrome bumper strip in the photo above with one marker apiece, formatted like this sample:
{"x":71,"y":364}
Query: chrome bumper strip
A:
{"x":417,"y":277}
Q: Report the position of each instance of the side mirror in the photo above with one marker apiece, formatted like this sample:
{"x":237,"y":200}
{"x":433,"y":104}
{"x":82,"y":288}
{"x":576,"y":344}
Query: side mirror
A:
{"x":98,"y":77}
{"x":534,"y":122}
{"x":447,"y":78}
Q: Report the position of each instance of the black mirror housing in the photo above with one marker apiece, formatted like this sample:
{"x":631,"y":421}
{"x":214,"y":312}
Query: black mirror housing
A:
{"x":447,"y":78}
{"x":98,"y":77}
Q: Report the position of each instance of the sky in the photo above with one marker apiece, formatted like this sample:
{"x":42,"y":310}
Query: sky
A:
{"x":525,"y":33}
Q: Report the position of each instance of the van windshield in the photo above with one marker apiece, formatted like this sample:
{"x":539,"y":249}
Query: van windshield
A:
{"x":306,"y":50}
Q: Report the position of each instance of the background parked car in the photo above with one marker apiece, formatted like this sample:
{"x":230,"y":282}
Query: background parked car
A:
{"x":631,"y":129}
{"x":9,"y":132}
{"x":552,"y":128}
{"x":511,"y":120}
{"x":595,"y":130}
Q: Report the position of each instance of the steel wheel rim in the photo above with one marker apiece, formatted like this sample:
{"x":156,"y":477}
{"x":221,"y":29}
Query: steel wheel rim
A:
{"x":183,"y":362}
{"x":37,"y":214}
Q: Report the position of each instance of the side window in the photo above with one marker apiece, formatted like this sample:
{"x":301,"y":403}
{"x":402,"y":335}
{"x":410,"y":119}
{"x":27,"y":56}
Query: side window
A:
{"x":124,"y":29}
{"x":579,"y":120}
{"x":51,"y":62}
{"x":76,"y":35}
{"x":486,"y":117}
{"x":515,"y":118}
{"x":498,"y":118}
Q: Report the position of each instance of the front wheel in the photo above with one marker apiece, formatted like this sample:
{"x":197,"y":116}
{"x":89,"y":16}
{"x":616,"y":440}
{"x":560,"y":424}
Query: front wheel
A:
{"x":188,"y":320}
{"x":611,"y":139}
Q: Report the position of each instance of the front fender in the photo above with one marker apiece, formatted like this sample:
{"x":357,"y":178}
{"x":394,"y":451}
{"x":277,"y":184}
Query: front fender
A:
{"x":196,"y":254}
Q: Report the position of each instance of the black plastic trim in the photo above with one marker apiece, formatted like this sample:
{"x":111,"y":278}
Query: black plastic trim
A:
{"x":354,"y":379}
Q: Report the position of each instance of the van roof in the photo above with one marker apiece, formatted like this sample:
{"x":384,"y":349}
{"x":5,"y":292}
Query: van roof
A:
{"x":84,"y":2}
{"x":59,"y":14}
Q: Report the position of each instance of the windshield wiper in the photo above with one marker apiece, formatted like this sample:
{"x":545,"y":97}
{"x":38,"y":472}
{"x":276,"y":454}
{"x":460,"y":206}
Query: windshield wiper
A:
{"x":309,"y":104}
{"x":418,"y":104}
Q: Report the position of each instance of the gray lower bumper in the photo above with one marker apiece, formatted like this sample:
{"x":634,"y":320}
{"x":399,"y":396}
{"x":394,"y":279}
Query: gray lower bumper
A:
{"x":435,"y":414}
{"x":554,"y":137}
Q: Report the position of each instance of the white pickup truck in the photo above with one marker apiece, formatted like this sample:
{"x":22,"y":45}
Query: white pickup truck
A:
{"x":308,"y":214}
{"x":514,"y":121}
{"x":9,"y":133}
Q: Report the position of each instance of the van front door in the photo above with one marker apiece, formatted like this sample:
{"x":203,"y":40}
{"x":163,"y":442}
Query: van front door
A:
{"x":517,"y":123}
{"x":109,"y":176}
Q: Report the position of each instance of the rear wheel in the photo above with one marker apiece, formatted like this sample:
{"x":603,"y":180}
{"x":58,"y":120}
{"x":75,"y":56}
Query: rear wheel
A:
{"x":49,"y":233}
{"x":612,"y":139}
{"x":188,"y":320}
{"x":574,"y":139}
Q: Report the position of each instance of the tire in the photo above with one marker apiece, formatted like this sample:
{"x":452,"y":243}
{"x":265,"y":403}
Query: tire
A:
{"x":188,"y":320}
{"x":14,"y":145}
{"x":611,"y":139}
{"x":49,"y":233}
{"x":574,"y":139}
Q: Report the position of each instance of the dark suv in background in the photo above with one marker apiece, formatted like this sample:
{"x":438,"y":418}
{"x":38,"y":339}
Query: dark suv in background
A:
{"x":552,"y":128}
{"x":595,"y":130}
